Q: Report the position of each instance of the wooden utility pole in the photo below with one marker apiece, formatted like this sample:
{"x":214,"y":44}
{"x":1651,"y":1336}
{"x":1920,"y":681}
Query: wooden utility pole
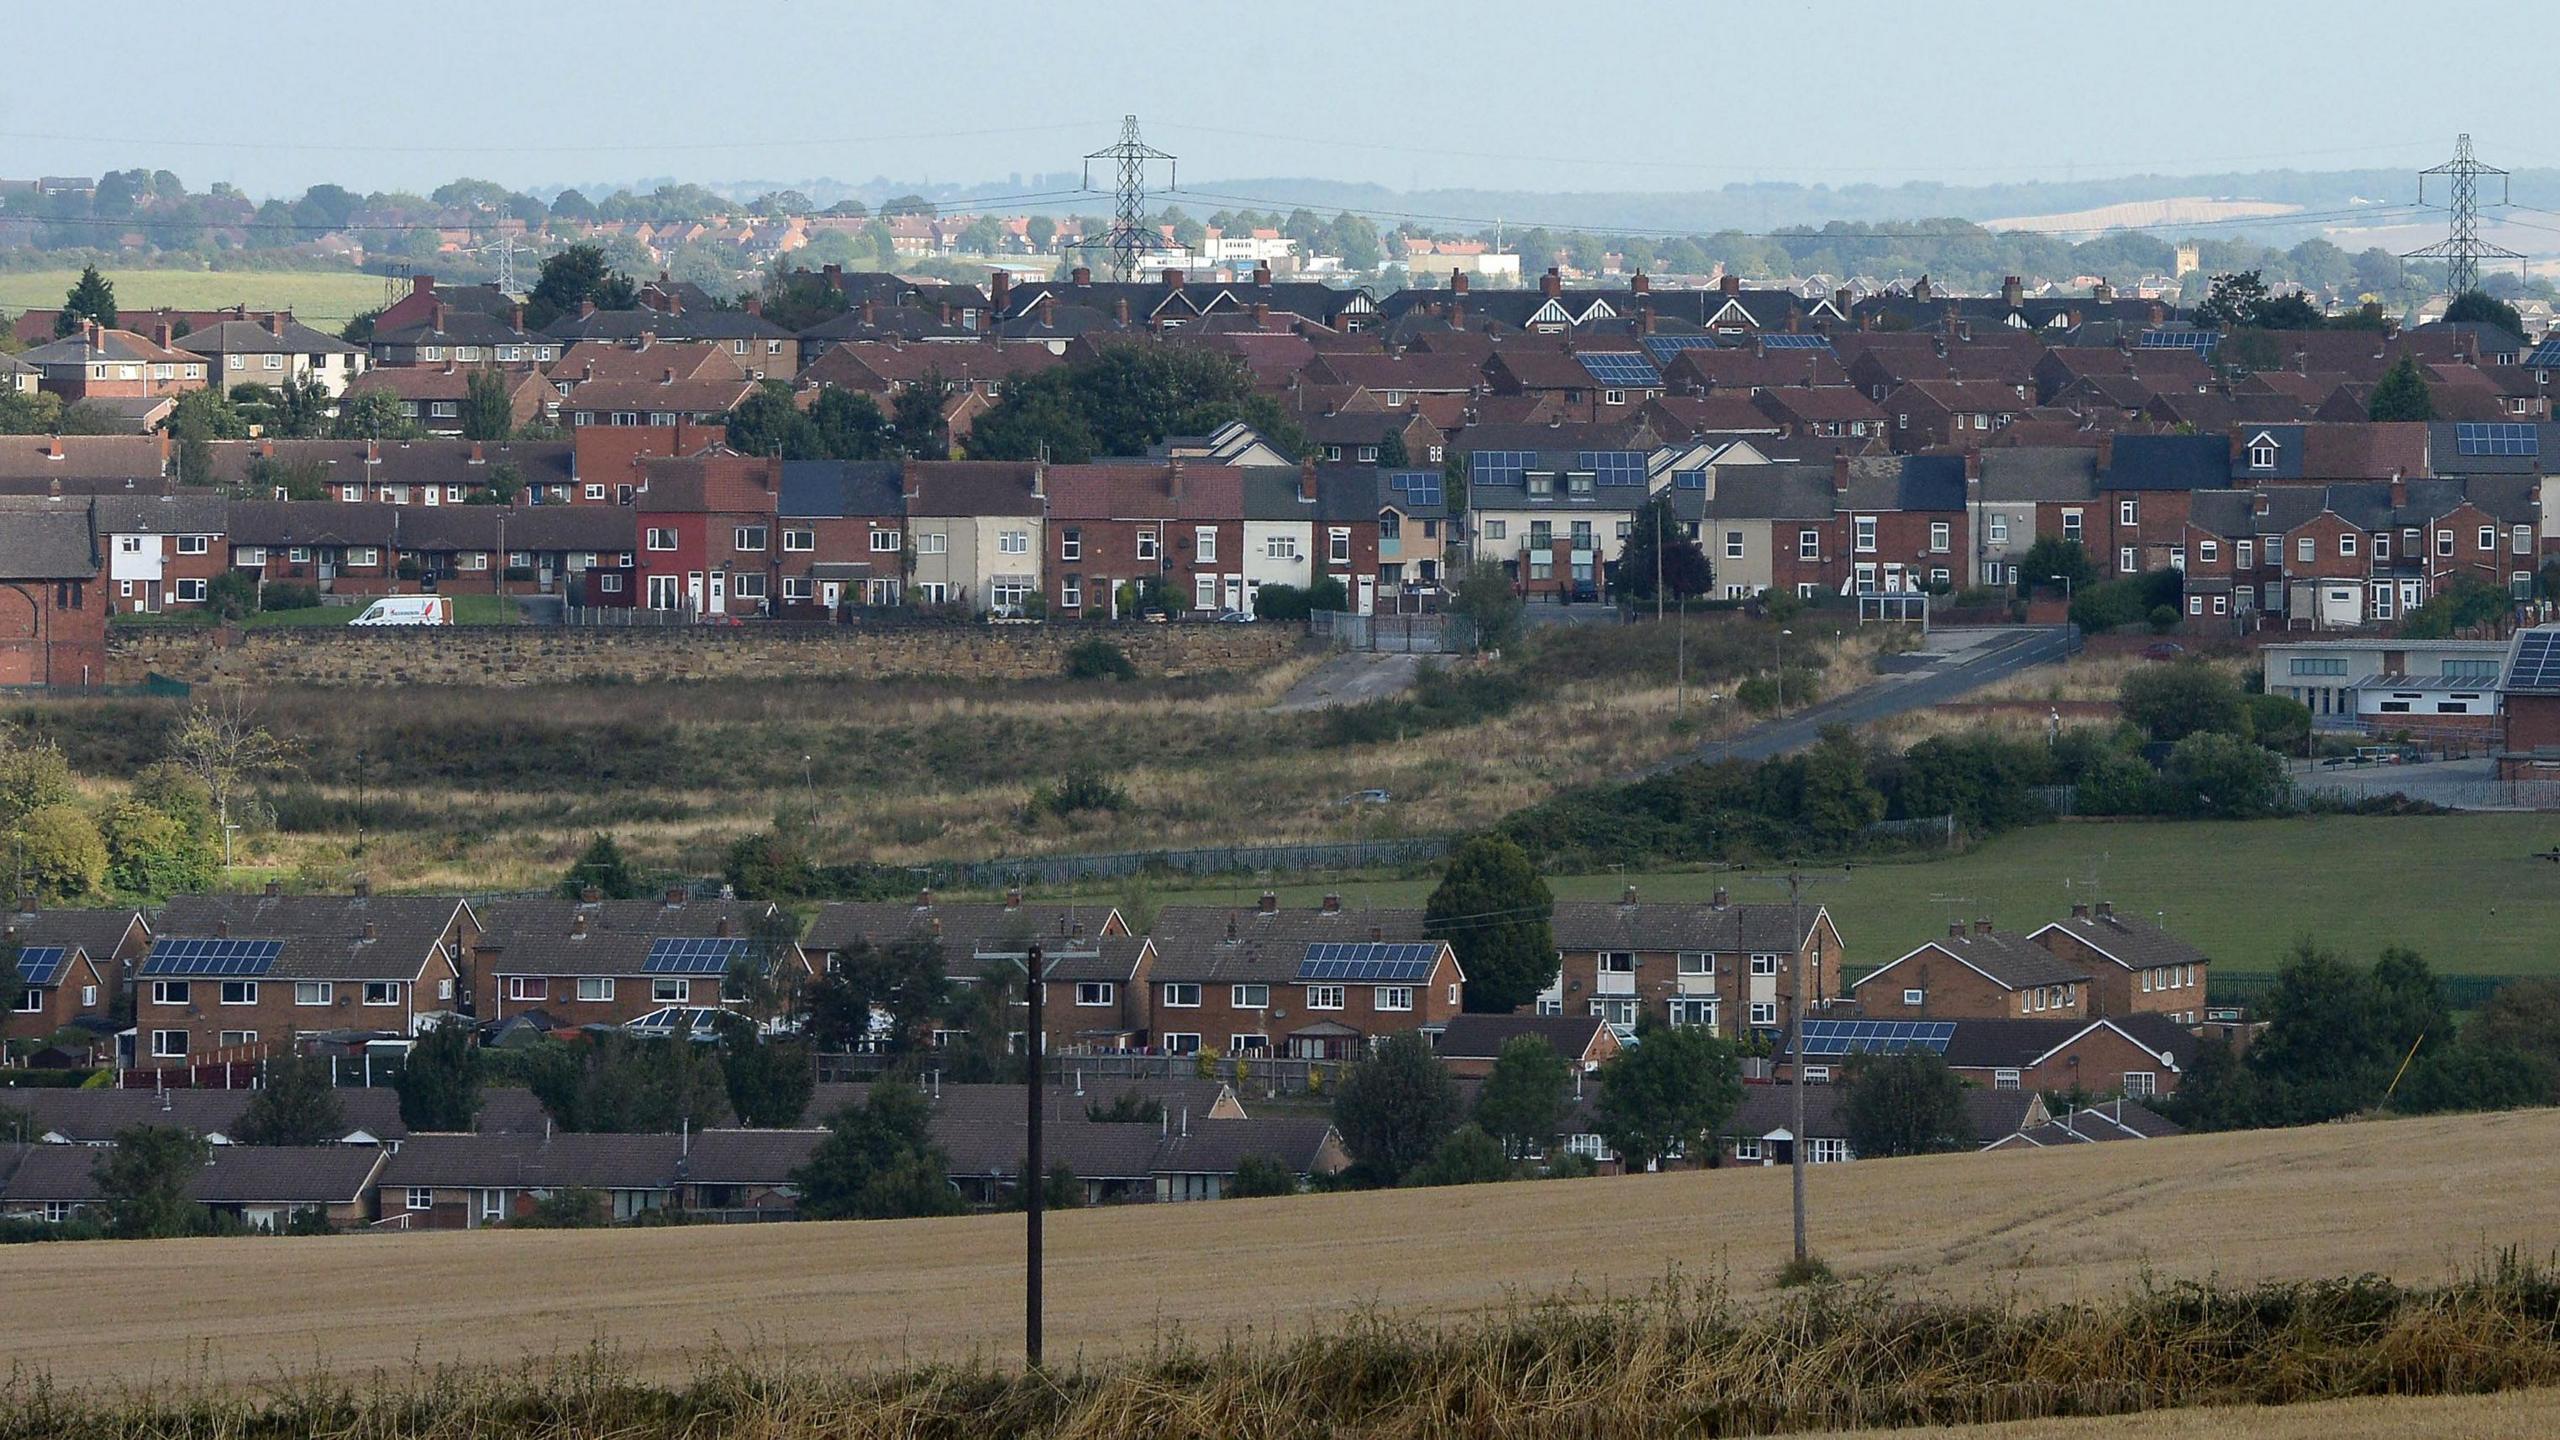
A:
{"x":1795,"y":880}
{"x":1037,"y":963}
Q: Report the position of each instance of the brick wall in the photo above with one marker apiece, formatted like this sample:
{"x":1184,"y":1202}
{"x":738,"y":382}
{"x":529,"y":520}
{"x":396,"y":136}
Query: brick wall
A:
{"x":531,"y":655}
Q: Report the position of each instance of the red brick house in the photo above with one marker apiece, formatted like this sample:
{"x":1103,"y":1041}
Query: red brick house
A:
{"x":844,"y":540}
{"x":1712,"y":963}
{"x":326,"y":543}
{"x":1321,"y":984}
{"x":97,"y":363}
{"x":53,"y":610}
{"x":70,"y":968}
{"x":1470,"y":1044}
{"x":1931,"y":414}
{"x":611,"y":962}
{"x":708,"y":534}
{"x":2133,"y":964}
{"x":1980,"y":973}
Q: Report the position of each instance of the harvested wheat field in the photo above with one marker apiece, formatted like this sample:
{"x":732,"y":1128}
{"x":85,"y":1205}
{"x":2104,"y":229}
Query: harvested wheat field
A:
{"x":2518,"y":1415}
{"x":2414,"y":1199}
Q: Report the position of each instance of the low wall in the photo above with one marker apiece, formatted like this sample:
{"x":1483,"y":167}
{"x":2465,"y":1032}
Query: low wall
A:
{"x":543,"y":654}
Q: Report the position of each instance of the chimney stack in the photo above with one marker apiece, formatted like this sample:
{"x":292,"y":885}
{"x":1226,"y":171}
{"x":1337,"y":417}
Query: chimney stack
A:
{"x":999,"y":290}
{"x":1082,"y":275}
{"x":1982,"y":926}
{"x":1173,"y":481}
{"x":1640,"y":284}
{"x":1458,"y":281}
{"x":422,"y":285}
{"x":274,"y":888}
{"x":1262,"y":274}
{"x":1307,"y":480}
{"x":1627,"y":896}
{"x":221,"y":929}
{"x":440,"y":316}
{"x":1722,"y":898}
{"x":275,"y":324}
{"x":578,"y":926}
{"x":161,"y":334}
{"x":1955,"y":929}
{"x":2080,"y":912}
{"x":1840,"y":473}
{"x":675,"y":895}
{"x":2106,"y":909}
{"x":586,"y":308}
{"x":372,"y":931}
{"x":1172,"y":278}
{"x":1332,"y":903}
{"x":1120,"y":311}
{"x":1551,"y":284}
{"x":1013,"y":897}
{"x":2012,"y":290}
{"x":1841,"y":301}
{"x":720,"y":927}
{"x":364,"y":887}
{"x":924,"y":899}
{"x":1270,"y":903}
{"x":591,"y":895}
{"x":1729,"y":284}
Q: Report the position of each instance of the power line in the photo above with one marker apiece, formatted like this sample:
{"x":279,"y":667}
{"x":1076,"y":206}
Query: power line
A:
{"x":2463,"y":248}
{"x":766,"y":143}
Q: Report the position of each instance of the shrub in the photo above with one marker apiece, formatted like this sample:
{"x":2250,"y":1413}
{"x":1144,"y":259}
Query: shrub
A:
{"x":1081,"y":788}
{"x":2164,"y":618}
{"x":518,"y":573}
{"x":1798,"y":1274}
{"x":231,"y":595}
{"x":60,"y":853}
{"x":2172,"y":702}
{"x":1261,"y":1175}
{"x":1281,"y":602}
{"x":1099,"y":659}
{"x":286,"y":595}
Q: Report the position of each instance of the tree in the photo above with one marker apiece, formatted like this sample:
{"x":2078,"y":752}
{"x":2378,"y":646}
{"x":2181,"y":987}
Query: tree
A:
{"x":33,"y":775}
{"x":440,"y":1084}
{"x":1836,"y":802}
{"x":1468,"y":1156}
{"x":222,"y":745}
{"x":1391,"y":452}
{"x":2522,"y":1017}
{"x":1395,"y":1107}
{"x":488,"y":413}
{"x":1495,"y":911}
{"x":878,"y":1161}
{"x":2465,"y":604}
{"x":2222,"y":776}
{"x":577,"y":274}
{"x":1041,"y":232}
{"x":92,"y":297}
{"x":2053,"y":561}
{"x":2278,"y":722}
{"x":2473,"y":307}
{"x":2402,"y":394}
{"x":769,"y":1081}
{"x":61,"y":856}
{"x":2293,"y":311}
{"x":1257,"y":1176}
{"x":296,"y":1106}
{"x":572,"y":205}
{"x":2321,"y":1055}
{"x":767,"y":422}
{"x":915,"y":418}
{"x":618,"y":1084}
{"x":580,"y":1207}
{"x":848,"y":425}
{"x":2188,"y":697}
{"x":2233,"y":301}
{"x":1484,"y":596}
{"x":1121,"y":401}
{"x":1670,"y":1090}
{"x":1522,"y":1100}
{"x":1905,"y":1104}
{"x":1682,"y":564}
{"x":143,"y":1179}
{"x":900,"y":987}
{"x":373,"y":415}
{"x":602,"y":866}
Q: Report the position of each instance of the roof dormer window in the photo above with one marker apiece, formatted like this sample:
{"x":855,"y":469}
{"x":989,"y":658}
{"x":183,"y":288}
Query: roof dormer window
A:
{"x":2262,"y":452}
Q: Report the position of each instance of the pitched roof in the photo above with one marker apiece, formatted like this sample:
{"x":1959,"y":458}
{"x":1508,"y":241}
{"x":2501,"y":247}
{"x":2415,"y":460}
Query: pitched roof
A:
{"x":1481,"y":1037}
{"x":2010,"y":961}
{"x":1682,"y":925}
{"x":1212,"y":943}
{"x":313,"y":522}
{"x":2169,"y":462}
{"x":1769,"y":1109}
{"x":836,"y":489}
{"x":2041,"y":473}
{"x":971,"y":487}
{"x":518,"y":1161}
{"x":248,"y":337}
{"x":192,"y":512}
{"x":327,"y":937}
{"x":234,"y":1175}
{"x":90,"y":1117}
{"x":42,"y":539}
{"x":2097,"y":1124}
{"x":2134,"y":942}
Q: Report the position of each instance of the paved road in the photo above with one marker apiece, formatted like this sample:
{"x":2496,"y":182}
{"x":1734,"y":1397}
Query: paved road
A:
{"x":1957,"y":663}
{"x":1352,"y":677}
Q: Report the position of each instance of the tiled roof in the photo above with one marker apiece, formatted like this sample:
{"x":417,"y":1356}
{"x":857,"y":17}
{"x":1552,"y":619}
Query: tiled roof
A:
{"x":2137,"y":943}
{"x":2011,"y":961}
{"x":43,"y":539}
{"x":248,"y":337}
{"x":1209,"y":943}
{"x":313,"y":522}
{"x":324,"y":935}
{"x":515,"y":1161}
{"x":89,"y":1117}
{"x":1768,"y":1109}
{"x":1682,"y":925}
{"x":235,"y":1175}
{"x":971,"y":487}
{"x":1481,"y":1037}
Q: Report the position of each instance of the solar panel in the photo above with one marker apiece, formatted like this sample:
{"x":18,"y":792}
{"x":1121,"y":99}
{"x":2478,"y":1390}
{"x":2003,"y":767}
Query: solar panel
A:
{"x":1376,"y":962}
{"x":2200,"y":341}
{"x":708,"y":955}
{"x":1611,"y":467}
{"x":2537,"y":663}
{"x":2545,"y":356}
{"x":1422,"y":487}
{"x":197,"y":956}
{"x":1876,"y":1037}
{"x":1795,"y":342}
{"x":1623,"y":368}
{"x":1663,"y":347}
{"x":2496,"y":437}
{"x":1500,"y":467}
{"x":40,"y":964}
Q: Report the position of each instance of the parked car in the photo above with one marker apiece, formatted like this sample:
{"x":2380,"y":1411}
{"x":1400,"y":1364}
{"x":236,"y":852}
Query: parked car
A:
{"x":2163,"y":650}
{"x":1235,"y":617}
{"x":1367,"y":797}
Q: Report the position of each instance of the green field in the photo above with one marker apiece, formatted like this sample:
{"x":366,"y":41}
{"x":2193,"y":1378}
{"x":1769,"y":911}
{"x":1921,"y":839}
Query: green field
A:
{"x":314,"y":296}
{"x":467,"y":610}
{"x":2465,"y":891}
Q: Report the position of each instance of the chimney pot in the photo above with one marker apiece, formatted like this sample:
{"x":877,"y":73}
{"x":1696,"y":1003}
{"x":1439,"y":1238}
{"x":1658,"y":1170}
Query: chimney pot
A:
{"x":1982,"y":927}
{"x":720,"y":927}
{"x":2106,"y":909}
{"x":372,"y":931}
{"x":1729,"y":284}
{"x":1332,"y":903}
{"x":1955,"y":929}
{"x":1083,"y":275}
{"x":577,"y":925}
{"x":221,"y":929}
{"x":275,"y":887}
{"x":1270,"y":903}
{"x":364,"y":887}
{"x":1013,"y":897}
{"x":2080,"y":912}
{"x":1722,"y":898}
{"x":1840,"y":473}
{"x":675,"y":895}
{"x":591,"y":894}
{"x":1458,"y":281}
{"x":1627,"y":896}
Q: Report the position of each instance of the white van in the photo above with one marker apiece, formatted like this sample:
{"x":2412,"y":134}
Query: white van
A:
{"x":407,"y":610}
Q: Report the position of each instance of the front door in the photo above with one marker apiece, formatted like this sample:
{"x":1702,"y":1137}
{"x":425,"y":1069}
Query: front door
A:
{"x":829,"y":592}
{"x":1235,"y":592}
{"x":1368,"y":594}
{"x":719,"y":592}
{"x":693,"y":590}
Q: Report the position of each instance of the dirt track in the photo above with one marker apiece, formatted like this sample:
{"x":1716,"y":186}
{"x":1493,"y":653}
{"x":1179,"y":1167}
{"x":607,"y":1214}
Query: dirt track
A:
{"x":2415,"y":1198}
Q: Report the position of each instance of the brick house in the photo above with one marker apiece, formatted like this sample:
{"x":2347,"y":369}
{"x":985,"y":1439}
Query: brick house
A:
{"x":610,"y":962}
{"x":1110,"y":525}
{"x":326,"y":543}
{"x":1900,"y":522}
{"x":1556,"y":520}
{"x":229,"y":978}
{"x":843,"y":535}
{"x":1321,"y":984}
{"x":2133,"y":964}
{"x":402,"y":472}
{"x":466,"y":1182}
{"x":2529,"y":707}
{"x":433,"y":395}
{"x":275,"y":352}
{"x":99,"y":363}
{"x":1470,"y":1044}
{"x":979,"y":533}
{"x":708,"y":534}
{"x":1094,"y":1005}
{"x":608,"y":462}
{"x":261,"y":1186}
{"x":163,"y":550}
{"x":2137,"y":1055}
{"x":1976,"y":973}
{"x":59,"y":981}
{"x":1962,"y":414}
{"x":2146,"y":488}
{"x":1716,"y":964}
{"x":53,"y":611}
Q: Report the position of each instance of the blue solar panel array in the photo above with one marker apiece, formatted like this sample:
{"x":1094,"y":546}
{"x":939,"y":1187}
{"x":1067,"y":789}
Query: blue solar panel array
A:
{"x":1422,"y":487}
{"x":1611,"y":467}
{"x":1881,"y":1037}
{"x":176,"y":956}
{"x":2496,"y":437}
{"x":1500,"y":467}
{"x":2537,"y":664}
{"x":2200,"y":341}
{"x":1784,"y":341}
{"x":707,"y":956}
{"x":1663,"y":347}
{"x":2545,"y":356}
{"x":41,"y":964}
{"x":1627,"y":369}
{"x":1381,"y":962}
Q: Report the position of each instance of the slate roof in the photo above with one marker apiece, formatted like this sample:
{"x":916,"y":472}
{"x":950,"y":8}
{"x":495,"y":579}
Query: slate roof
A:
{"x":96,"y":931}
{"x":236,"y":1175}
{"x":1657,"y":925}
{"x":2011,"y":961}
{"x":42,"y":539}
{"x":313,"y":522}
{"x":248,"y":337}
{"x":2042,"y":473}
{"x":1218,"y":1147}
{"x":836,"y":489}
{"x":2137,"y":943}
{"x":1786,"y":491}
{"x":169,"y":513}
{"x":971,"y":487}
{"x":1481,"y":1037}
{"x":959,"y":927}
{"x":1213,"y":944}
{"x":92,"y":1117}
{"x":84,"y":457}
{"x":407,"y":462}
{"x":1768,"y":1109}
{"x":2098,"y":1124}
{"x":2012,"y":1044}
{"x":323,"y":934}
{"x":515,"y":1161}
{"x":2169,"y":462}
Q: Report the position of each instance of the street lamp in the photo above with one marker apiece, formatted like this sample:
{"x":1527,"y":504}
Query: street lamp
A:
{"x":1779,"y":644}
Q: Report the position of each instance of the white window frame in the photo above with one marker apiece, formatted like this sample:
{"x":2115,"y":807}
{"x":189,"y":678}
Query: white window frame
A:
{"x":662,"y":538}
{"x":246,"y":990}
{"x":1249,"y":997}
{"x":751,"y":537}
{"x":1182,"y":994}
{"x":1764,"y":964}
{"x":382,"y":992}
{"x":417,"y":1197}
{"x":670,"y":990}
{"x":1324,"y":997}
{"x":172,"y":992}
{"x":1096,"y":993}
{"x":595,"y":989}
{"x":2141,"y":1084}
{"x":1915,"y":996}
{"x":1013,"y":542}
{"x":1392,"y":997}
{"x":2004,"y":1079}
{"x":162,"y":1049}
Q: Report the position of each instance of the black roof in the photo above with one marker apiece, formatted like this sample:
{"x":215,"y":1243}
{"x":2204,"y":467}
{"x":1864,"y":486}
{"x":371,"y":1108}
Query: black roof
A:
{"x":2170,"y":462}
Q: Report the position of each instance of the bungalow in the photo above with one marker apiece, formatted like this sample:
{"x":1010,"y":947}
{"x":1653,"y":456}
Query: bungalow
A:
{"x":1762,"y":1130}
{"x":1470,"y":1044}
{"x":468,"y":1182}
{"x":370,"y":1114}
{"x":262,"y":1186}
{"x":2118,"y":1119}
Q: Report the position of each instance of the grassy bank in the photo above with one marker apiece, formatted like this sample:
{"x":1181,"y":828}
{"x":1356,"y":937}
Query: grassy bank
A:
{"x":322,"y":298}
{"x":467,"y":610}
{"x":1686,"y":1360}
{"x":2466,"y":891}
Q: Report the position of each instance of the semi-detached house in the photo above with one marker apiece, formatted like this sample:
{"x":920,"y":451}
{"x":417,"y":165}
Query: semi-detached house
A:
{"x":1321,"y":984}
{"x":163,"y":551}
{"x":593,"y":961}
{"x":1716,"y":964}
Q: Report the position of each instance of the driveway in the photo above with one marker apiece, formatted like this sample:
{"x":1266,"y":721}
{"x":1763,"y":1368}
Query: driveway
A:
{"x":1352,"y":677}
{"x":1951,"y":664}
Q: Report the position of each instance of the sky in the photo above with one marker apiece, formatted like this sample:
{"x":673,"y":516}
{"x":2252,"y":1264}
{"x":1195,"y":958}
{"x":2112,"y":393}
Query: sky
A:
{"x":1412,"y":94}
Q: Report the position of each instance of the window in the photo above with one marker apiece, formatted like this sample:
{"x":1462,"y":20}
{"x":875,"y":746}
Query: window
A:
{"x":1808,"y":544}
{"x":1204,"y":592}
{"x":1394,"y":997}
{"x":2141,"y":1084}
{"x":595,"y":492}
{"x":1497,"y":529}
{"x":2444,"y":545}
{"x":239,"y":992}
{"x":1746,"y":1147}
{"x":2262,"y":454}
{"x":595,"y":988}
{"x":1764,"y":964}
{"x":199,"y":544}
{"x":1338,"y":547}
{"x":382,"y":992}
{"x":2195,"y":604}
{"x":419,"y":1198}
{"x":1613,"y":397}
{"x":747,"y":585}
{"x":1915,"y":997}
{"x":2071,"y":525}
{"x":1938,"y":537}
{"x":169,"y":1044}
{"x":1866,"y":537}
{"x":1324,"y":997}
{"x":1817,"y":1074}
{"x":1071,"y":544}
{"x":2004,"y":1079}
{"x":1205,"y":544}
{"x":799,"y":540}
{"x":2347,"y":543}
{"x":1696,"y":962}
{"x":751,"y":537}
{"x":936,"y":543}
{"x":1700,"y":1013}
{"x":172,"y":992}
{"x":2317,"y":665}
{"x":88,"y":997}
{"x":1095,"y":992}
{"x":1182,"y":1043}
{"x":661,"y":539}
{"x":189,"y":591}
{"x":2242,"y":553}
{"x":664,"y":991}
{"x":237,"y":1039}
{"x":1250,"y":997}
{"x":1829,"y":1152}
{"x":2207,"y":552}
{"x":884,"y":542}
{"x":612,"y":585}
{"x":2128,"y":511}
{"x":1999,"y":529}
{"x":1733,"y":544}
{"x":1014,"y":542}
{"x":1280,"y":547}
{"x":1764,"y":1012}
{"x":1071,"y":593}
{"x":1182,"y":995}
{"x":795,"y":587}
{"x":30,"y":1000}
{"x":1146,"y":545}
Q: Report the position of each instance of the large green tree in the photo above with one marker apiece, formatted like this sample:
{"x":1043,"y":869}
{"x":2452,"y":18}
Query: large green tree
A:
{"x":1670,"y":1090}
{"x":1657,"y":539}
{"x":1120,"y":402}
{"x":1466,"y":1156}
{"x":2403,"y":394}
{"x":1522,"y":1100}
{"x":620,"y":1084}
{"x":487,"y":411}
{"x":2172,"y":702}
{"x":1494,"y":909}
{"x":1905,"y":1104}
{"x":92,"y":297}
{"x":1484,"y":597}
{"x":603,"y":866}
{"x":878,"y":1161}
{"x":440,"y":1083}
{"x":143,"y":1178}
{"x":1394,"y":1108}
{"x":295,"y":1106}
{"x":770,"y":1079}
{"x":2478,"y":307}
{"x":903,"y":983}
{"x":579,"y":273}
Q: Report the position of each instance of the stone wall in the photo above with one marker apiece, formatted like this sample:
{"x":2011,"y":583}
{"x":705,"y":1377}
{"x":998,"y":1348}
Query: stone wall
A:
{"x":542,"y":654}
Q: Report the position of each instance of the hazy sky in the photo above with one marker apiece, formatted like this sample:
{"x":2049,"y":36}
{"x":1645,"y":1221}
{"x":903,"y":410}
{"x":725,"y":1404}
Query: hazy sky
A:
{"x":1408,"y":93}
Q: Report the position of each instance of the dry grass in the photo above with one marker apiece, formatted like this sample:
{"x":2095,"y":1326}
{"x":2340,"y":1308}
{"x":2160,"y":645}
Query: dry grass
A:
{"x":2515,"y":1415}
{"x":2413,"y":1199}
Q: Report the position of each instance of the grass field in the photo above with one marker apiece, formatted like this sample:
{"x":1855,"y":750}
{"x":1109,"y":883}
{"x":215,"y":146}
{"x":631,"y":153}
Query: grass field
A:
{"x":467,"y":610}
{"x":324,"y":299}
{"x":2417,"y":1199}
{"x":2463,"y":890}
{"x":2516,"y":1415}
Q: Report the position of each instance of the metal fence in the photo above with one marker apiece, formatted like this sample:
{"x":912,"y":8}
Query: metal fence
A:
{"x":626,"y":616}
{"x":2251,"y":988}
{"x":1215,"y":860}
{"x":2453,"y":793}
{"x":1394,"y":634}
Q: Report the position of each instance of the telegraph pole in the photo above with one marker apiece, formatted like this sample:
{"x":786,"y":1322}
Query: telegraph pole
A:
{"x":1037,"y":963}
{"x":1795,"y":880}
